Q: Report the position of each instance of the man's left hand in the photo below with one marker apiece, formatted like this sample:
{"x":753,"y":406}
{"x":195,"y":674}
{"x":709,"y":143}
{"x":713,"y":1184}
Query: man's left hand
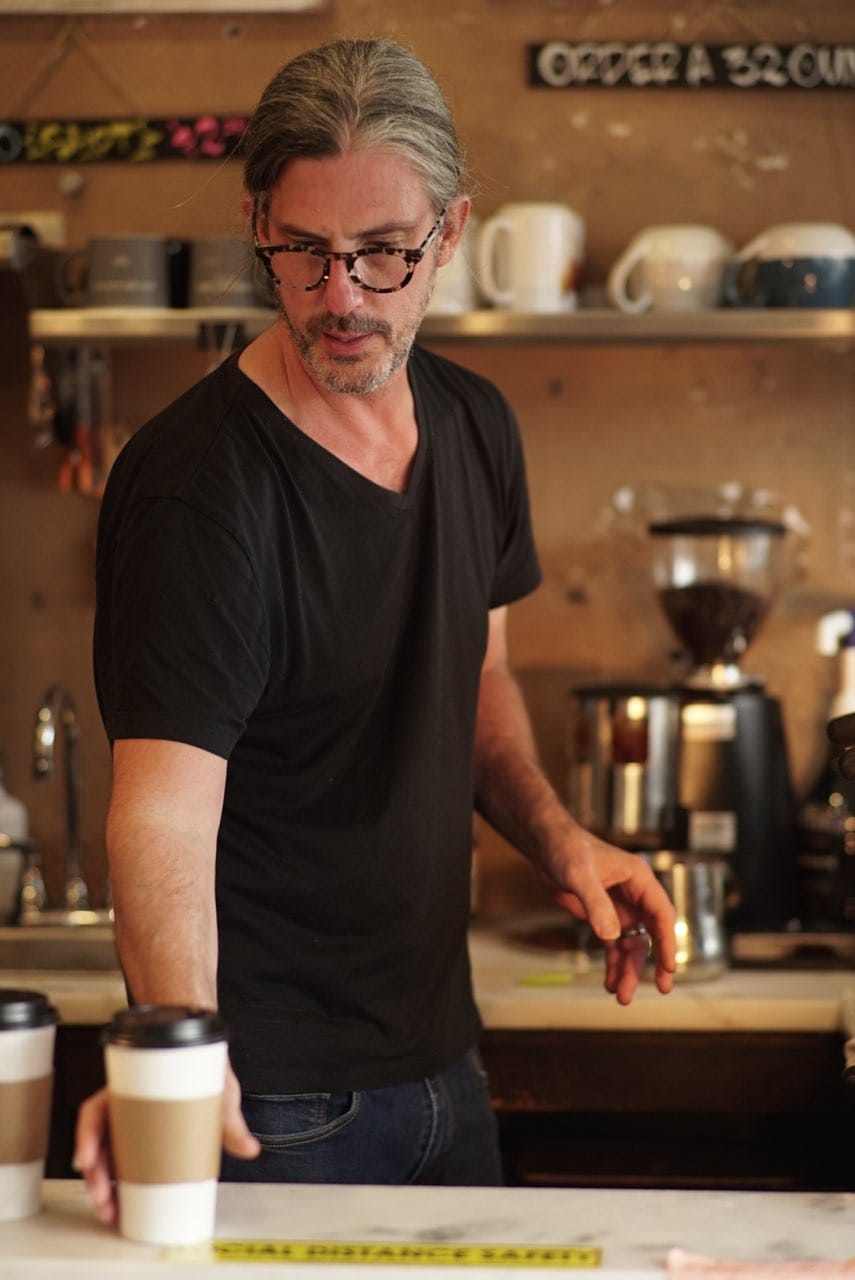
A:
{"x":625,"y":905}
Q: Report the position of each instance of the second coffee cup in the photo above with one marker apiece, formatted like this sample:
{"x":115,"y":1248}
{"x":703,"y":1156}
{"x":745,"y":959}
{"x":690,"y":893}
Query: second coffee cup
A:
{"x":165,"y":1068}
{"x":27,"y":1034}
{"x":530,"y":257}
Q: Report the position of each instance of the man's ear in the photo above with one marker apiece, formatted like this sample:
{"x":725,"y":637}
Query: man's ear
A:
{"x":456,"y":217}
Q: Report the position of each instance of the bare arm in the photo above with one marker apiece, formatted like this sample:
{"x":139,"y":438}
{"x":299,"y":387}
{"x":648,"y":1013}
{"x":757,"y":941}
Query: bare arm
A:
{"x":162,"y":828}
{"x":614,"y":889}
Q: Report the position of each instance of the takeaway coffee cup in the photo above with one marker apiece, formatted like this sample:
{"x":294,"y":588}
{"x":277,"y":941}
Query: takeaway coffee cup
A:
{"x":222,"y":273}
{"x":678,"y":267}
{"x":27,"y":1034}
{"x":530,"y":257}
{"x":165,"y":1068}
{"x":794,"y":264}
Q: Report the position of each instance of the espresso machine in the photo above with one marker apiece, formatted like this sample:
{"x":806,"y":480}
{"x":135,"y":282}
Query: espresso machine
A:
{"x":701,"y":765}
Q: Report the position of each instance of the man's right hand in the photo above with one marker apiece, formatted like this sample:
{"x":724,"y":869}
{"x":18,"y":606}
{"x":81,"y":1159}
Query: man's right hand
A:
{"x":237,"y":1139}
{"x":92,"y":1154}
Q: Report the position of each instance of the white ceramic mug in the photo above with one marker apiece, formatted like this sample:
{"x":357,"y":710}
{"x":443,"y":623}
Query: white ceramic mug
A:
{"x":456,"y":288}
{"x":800,"y":240}
{"x":530,"y":257}
{"x":672,"y":267}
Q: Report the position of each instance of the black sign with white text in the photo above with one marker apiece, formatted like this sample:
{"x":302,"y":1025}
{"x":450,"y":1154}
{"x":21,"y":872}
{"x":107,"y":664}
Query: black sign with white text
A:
{"x":661,"y":64}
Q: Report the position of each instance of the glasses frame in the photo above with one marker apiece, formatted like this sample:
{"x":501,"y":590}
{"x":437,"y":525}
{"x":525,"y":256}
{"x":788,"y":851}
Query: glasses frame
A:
{"x":412,"y":258}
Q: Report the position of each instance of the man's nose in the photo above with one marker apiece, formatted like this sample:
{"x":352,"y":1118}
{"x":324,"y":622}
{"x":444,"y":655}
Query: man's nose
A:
{"x":342,"y":294}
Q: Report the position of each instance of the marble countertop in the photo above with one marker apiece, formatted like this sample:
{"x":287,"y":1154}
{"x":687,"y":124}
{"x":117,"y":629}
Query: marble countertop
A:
{"x":518,"y":987}
{"x":641,"y":1234}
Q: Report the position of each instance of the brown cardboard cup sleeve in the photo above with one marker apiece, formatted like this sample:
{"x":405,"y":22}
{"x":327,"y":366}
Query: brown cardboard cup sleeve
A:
{"x":24,"y":1119}
{"x":163,"y":1141}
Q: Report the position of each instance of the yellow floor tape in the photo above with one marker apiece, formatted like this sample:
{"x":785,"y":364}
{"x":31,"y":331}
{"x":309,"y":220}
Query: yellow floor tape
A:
{"x":393,"y":1252}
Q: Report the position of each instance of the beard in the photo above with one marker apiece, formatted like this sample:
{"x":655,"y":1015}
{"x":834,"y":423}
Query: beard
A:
{"x":357,"y":374}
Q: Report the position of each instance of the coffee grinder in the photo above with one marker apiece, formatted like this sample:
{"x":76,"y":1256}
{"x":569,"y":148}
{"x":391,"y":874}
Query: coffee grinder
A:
{"x":716,"y":578}
{"x":700,"y":766}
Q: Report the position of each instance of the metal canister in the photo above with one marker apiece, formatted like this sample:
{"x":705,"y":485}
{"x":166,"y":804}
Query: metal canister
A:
{"x":696,"y":886}
{"x":623,"y":748}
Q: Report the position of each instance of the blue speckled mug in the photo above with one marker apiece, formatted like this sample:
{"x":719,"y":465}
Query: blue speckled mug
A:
{"x":796,"y":282}
{"x":796,"y":264}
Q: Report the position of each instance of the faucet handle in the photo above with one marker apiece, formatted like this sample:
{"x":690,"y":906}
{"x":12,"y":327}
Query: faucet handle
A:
{"x":44,"y":740}
{"x":76,"y":895}
{"x":33,"y":895}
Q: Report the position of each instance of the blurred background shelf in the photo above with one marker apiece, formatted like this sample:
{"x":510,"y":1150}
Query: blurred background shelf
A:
{"x":127,"y":327}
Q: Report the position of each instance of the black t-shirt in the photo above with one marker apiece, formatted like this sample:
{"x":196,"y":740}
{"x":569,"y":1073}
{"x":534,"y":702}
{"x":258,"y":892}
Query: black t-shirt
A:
{"x":260,"y":599}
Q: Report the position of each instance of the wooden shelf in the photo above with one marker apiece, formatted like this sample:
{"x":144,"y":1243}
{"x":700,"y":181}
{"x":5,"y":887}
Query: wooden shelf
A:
{"x":144,"y":326}
{"x":612,"y":326}
{"x":122,"y":327}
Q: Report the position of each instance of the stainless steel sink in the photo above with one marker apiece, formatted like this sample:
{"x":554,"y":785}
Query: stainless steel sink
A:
{"x":60,"y":946}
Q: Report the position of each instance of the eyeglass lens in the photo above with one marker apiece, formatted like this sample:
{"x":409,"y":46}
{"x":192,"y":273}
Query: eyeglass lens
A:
{"x":376,"y":269}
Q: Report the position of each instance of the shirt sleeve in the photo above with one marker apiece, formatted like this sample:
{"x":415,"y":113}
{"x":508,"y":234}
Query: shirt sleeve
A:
{"x":518,"y":569}
{"x":181,"y":647}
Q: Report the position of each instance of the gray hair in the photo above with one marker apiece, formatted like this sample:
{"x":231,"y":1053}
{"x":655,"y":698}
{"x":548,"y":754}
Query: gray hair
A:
{"x":353,"y":93}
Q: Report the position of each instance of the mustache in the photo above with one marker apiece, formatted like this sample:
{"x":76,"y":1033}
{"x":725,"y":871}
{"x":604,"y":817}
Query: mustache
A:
{"x":351,"y":326}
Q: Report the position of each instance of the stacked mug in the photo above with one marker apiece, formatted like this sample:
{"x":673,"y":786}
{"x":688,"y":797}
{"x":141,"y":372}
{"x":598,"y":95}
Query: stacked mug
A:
{"x":794,"y":264}
{"x":670,"y":267}
{"x":456,"y":289}
{"x":530,"y":256}
{"x":223,"y":274}
{"x":157,"y":272}
{"x":689,"y":267}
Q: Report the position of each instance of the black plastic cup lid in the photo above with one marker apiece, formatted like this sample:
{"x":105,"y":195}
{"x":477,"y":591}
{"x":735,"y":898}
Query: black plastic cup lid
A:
{"x":164,"y":1026}
{"x":20,"y":1010}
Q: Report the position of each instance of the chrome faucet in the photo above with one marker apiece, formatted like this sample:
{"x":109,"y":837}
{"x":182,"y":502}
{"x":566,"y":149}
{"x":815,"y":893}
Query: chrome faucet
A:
{"x":56,"y":712}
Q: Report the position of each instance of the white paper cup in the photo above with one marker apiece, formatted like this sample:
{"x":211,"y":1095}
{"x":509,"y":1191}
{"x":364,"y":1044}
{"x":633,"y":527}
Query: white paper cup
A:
{"x":27,"y":1035}
{"x":166,"y":1069}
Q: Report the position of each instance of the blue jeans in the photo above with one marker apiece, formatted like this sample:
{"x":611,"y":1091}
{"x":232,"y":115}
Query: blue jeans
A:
{"x":437,"y":1131}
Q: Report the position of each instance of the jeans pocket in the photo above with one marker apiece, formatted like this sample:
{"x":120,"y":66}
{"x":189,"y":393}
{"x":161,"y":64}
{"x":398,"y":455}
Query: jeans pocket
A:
{"x":283,"y":1121}
{"x":476,"y":1062}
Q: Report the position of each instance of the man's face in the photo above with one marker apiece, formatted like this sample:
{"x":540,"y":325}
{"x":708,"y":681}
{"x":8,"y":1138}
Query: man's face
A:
{"x":350,"y":340}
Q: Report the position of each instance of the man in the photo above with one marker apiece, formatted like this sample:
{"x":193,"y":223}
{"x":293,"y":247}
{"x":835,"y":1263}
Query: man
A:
{"x":304,"y":567}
